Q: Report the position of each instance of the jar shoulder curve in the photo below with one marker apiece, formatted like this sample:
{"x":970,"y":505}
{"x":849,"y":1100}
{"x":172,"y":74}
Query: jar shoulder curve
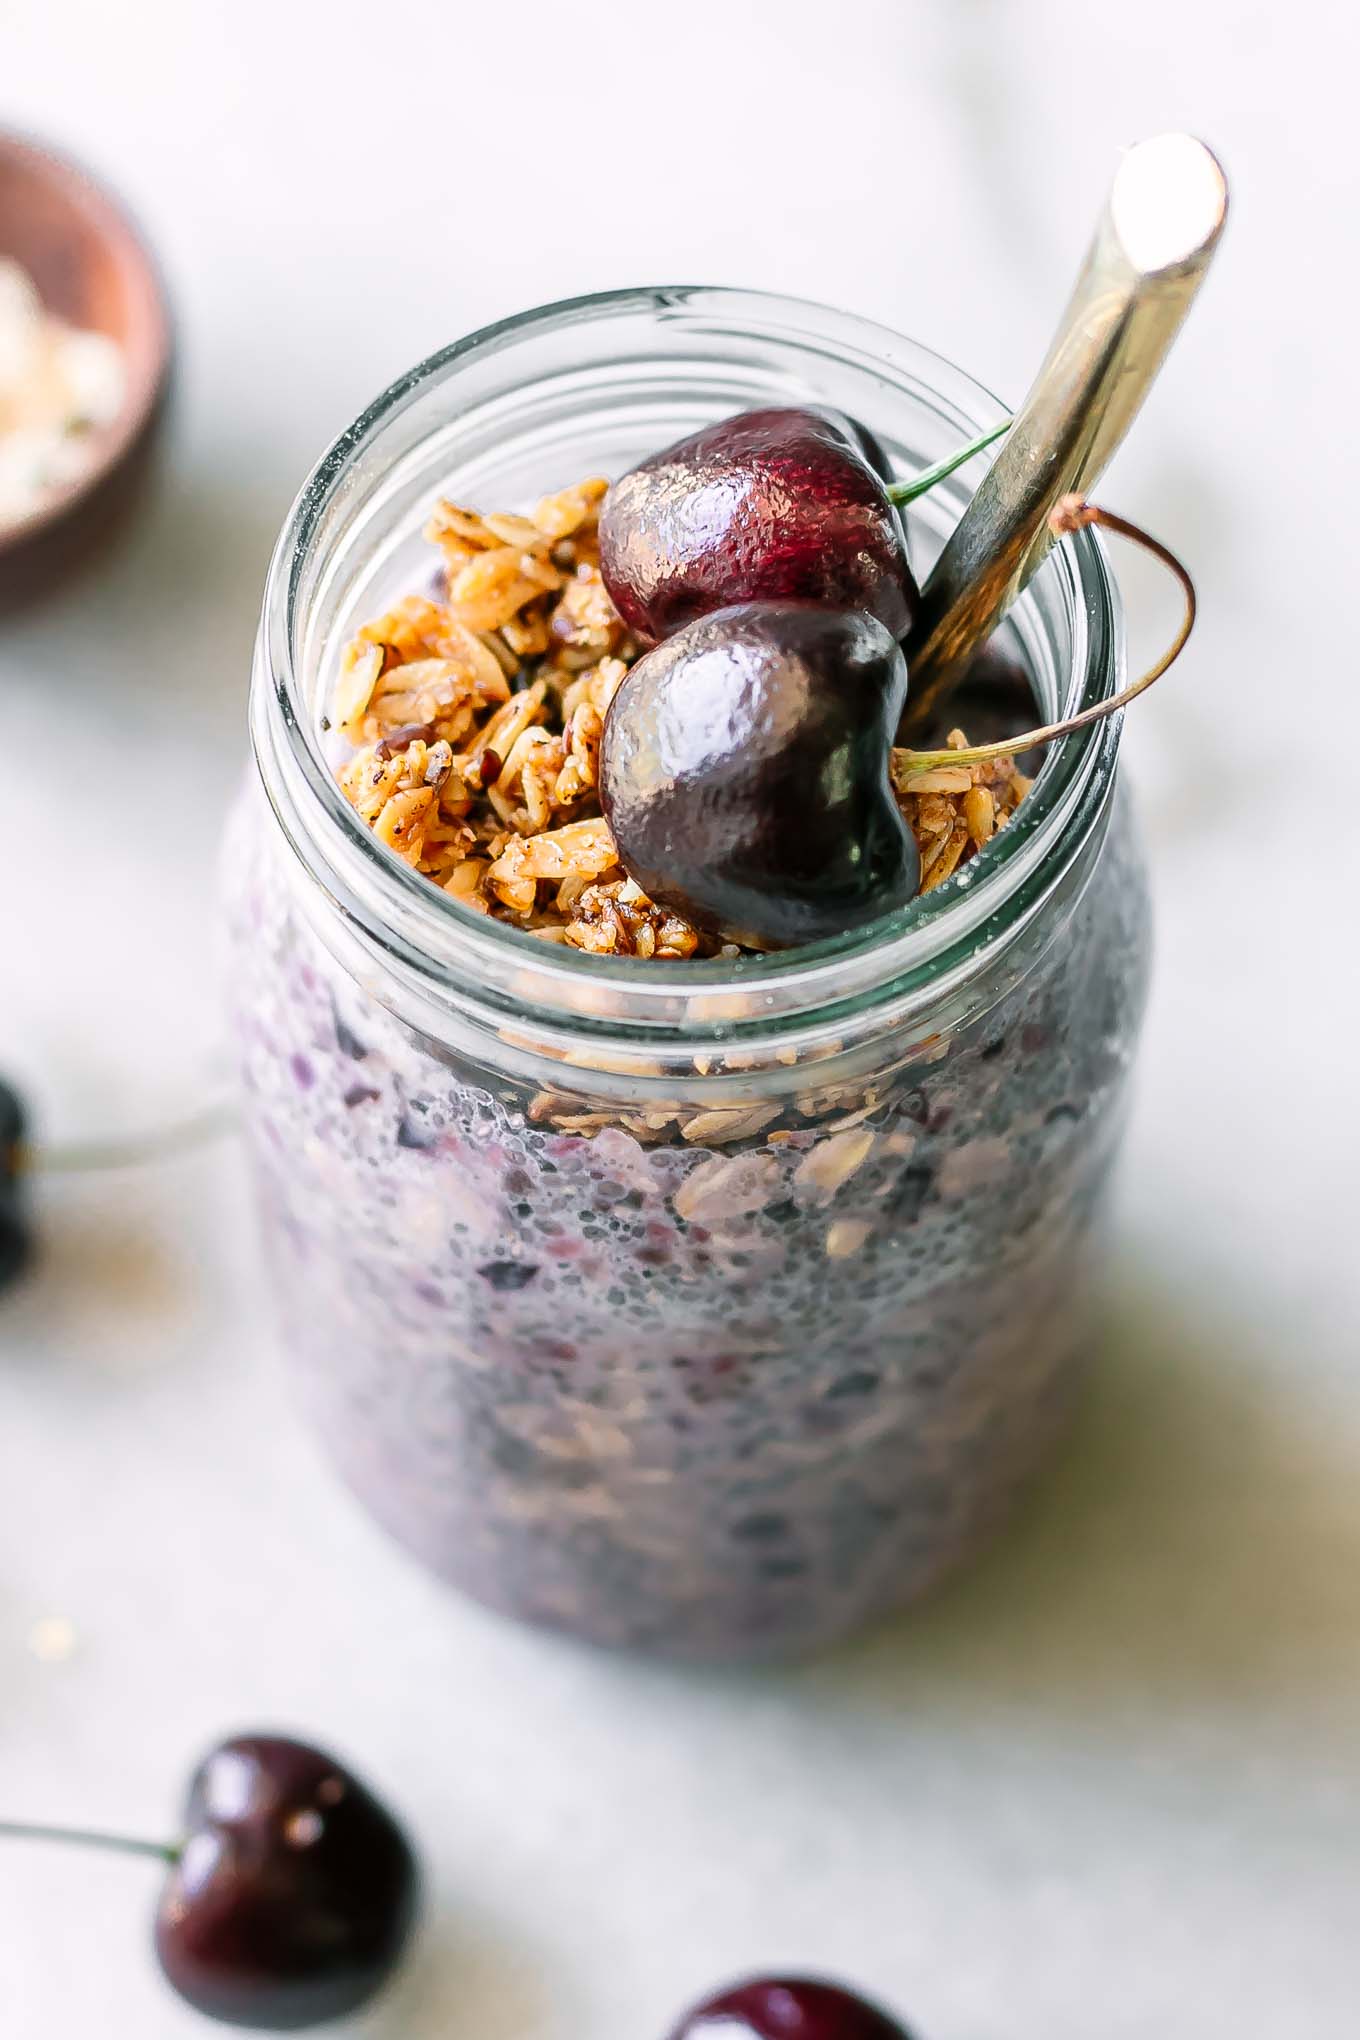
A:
{"x":1084,"y":975}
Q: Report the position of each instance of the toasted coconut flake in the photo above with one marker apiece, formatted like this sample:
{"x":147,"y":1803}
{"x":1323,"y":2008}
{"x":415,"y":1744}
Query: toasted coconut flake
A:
{"x":457,"y":531}
{"x":520,"y":532}
{"x":945,"y":857}
{"x":505,"y":727}
{"x":399,"y":823}
{"x":466,"y":877}
{"x":359,"y":671}
{"x":561,"y":515}
{"x":580,"y":850}
{"x":486,"y":593}
{"x":520,"y":895}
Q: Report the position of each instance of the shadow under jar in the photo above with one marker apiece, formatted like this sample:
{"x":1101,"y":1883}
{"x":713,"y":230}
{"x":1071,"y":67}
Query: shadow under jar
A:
{"x":706,"y":1308}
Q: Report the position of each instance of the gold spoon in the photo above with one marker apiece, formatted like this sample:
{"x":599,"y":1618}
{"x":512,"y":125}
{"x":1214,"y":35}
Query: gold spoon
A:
{"x":1151,"y":251}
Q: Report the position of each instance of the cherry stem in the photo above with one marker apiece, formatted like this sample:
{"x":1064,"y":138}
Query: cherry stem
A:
{"x":86,"y":1838}
{"x":1069,"y":514}
{"x":907,"y":492}
{"x":129,"y":1150}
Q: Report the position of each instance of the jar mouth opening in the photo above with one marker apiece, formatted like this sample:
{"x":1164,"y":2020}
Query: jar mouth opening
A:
{"x":426,"y":934}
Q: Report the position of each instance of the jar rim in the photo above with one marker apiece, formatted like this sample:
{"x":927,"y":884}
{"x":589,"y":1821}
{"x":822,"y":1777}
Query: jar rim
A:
{"x":427,"y":936}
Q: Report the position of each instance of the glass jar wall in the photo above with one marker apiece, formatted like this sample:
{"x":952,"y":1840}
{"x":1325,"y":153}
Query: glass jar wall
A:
{"x":705,"y":1308}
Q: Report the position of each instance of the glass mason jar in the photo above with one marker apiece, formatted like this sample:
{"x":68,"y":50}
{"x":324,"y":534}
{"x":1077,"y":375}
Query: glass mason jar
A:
{"x":709,"y":1308}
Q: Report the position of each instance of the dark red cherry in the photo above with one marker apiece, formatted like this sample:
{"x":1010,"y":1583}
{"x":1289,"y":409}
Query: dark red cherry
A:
{"x":744,"y":772}
{"x":767,"y":506}
{"x":774,"y":2008}
{"x":16,"y":1241}
{"x":16,"y":1244}
{"x":294,"y":1893}
{"x":13,"y":1126}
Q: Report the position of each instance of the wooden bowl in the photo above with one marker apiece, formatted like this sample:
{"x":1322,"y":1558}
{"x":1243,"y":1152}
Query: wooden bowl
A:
{"x":92,"y":268}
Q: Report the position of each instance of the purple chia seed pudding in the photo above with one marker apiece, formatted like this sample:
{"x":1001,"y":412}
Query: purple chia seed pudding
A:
{"x":711,"y":1317}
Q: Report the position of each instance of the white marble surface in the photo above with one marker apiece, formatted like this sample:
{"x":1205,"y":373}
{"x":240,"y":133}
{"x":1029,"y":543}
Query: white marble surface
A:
{"x":1107,"y":1786}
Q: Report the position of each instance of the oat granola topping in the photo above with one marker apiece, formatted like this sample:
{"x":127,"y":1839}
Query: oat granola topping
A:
{"x":475,"y":724}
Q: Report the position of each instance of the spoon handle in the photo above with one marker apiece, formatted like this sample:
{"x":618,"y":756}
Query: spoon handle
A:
{"x":1151,"y":251}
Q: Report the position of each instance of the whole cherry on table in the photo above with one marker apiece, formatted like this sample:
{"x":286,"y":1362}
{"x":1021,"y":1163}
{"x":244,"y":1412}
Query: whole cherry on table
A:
{"x":19,"y":1160}
{"x":15,"y":1245}
{"x":292,"y":1896}
{"x":788,"y":2008}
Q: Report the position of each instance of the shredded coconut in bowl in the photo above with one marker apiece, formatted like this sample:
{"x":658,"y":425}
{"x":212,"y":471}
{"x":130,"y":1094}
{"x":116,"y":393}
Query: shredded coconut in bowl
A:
{"x":59,"y":385}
